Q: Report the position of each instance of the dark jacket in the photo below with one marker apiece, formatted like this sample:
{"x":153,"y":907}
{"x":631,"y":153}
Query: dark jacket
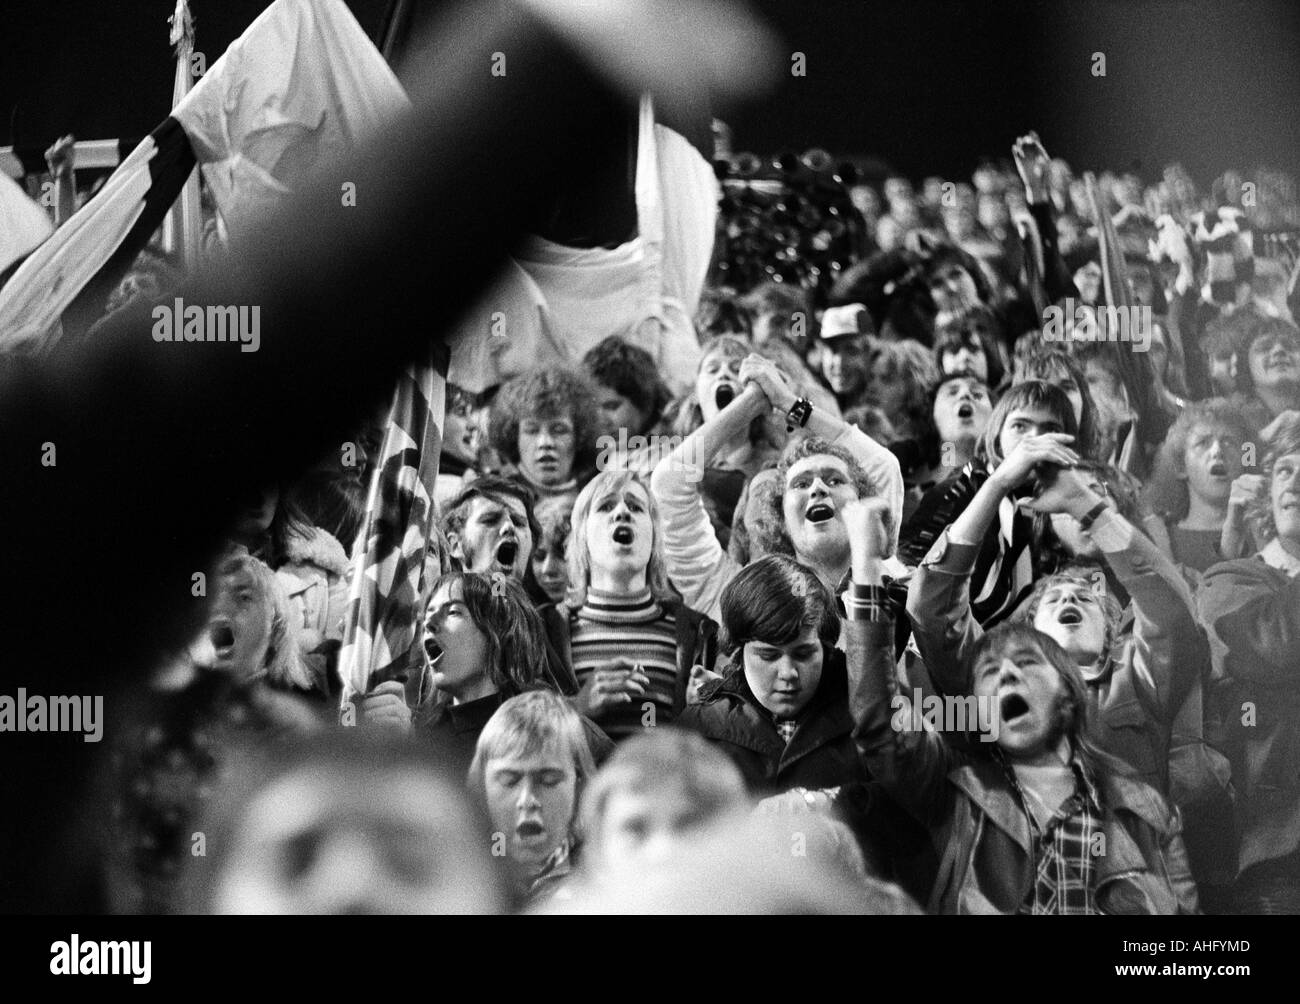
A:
{"x":1252,"y":611}
{"x":820,"y":755}
{"x":1145,"y":702}
{"x":455,"y":728}
{"x":978,"y":827}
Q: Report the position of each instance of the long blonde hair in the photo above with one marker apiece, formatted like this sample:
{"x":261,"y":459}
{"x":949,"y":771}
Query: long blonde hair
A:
{"x":579,"y":557}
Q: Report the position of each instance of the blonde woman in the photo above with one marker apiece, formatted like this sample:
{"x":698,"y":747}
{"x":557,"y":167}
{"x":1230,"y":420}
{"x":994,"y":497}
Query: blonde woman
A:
{"x":635,"y":646}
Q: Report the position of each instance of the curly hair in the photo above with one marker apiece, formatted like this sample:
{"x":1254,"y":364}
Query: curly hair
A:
{"x":630,"y":371}
{"x":548,"y":392}
{"x":580,"y":558}
{"x":768,"y":533}
{"x":1285,"y":440}
{"x":1263,"y":327}
{"x":1166,"y":491}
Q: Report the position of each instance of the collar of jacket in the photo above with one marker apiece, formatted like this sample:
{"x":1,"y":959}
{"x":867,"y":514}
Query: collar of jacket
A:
{"x":747,"y":723}
{"x":983,"y":782}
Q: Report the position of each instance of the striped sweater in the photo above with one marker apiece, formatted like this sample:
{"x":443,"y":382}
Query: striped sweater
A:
{"x":636,"y":628}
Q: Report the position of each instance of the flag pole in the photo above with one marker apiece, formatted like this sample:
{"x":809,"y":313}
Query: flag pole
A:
{"x":183,"y":229}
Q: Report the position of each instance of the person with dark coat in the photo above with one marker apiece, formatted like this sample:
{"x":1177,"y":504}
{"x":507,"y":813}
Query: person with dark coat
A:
{"x":1032,"y":818}
{"x":1251,"y":608}
{"x":780,"y":710}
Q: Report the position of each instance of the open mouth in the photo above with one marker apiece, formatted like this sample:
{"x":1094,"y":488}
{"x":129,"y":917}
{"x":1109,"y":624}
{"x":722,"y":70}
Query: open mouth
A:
{"x":965,"y":411}
{"x":1070,"y":616}
{"x":223,"y":638}
{"x":819,"y":513}
{"x":1014,"y":706}
{"x":1218,"y":469}
{"x":432,"y":649}
{"x":623,"y":535}
{"x":530,"y":829}
{"x":724,"y":395}
{"x":507,"y":551}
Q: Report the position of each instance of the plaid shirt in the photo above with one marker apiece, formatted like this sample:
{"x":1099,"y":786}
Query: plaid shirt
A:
{"x":1065,"y":865}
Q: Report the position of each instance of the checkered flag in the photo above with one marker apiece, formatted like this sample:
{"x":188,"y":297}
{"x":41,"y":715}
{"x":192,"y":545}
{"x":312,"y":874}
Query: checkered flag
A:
{"x":383,"y":620}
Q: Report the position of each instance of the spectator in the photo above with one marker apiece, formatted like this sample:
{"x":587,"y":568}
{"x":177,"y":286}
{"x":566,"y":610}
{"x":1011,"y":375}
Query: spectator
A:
{"x":1033,"y":419}
{"x":530,"y":765}
{"x":1251,"y":607}
{"x":844,"y":337}
{"x":660,"y":789}
{"x":780,"y":711}
{"x":639,"y":653}
{"x":630,"y":393}
{"x":816,"y":476}
{"x":545,"y":422}
{"x":1191,"y":488}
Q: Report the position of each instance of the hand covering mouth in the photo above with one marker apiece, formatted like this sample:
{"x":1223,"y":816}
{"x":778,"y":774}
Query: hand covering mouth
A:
{"x":819,"y":512}
{"x":623,"y":534}
{"x":724,"y":395}
{"x":507,"y":551}
{"x":1014,"y":706}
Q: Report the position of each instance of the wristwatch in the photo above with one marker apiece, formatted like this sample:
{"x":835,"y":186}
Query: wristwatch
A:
{"x":1090,"y":517}
{"x":798,"y":414}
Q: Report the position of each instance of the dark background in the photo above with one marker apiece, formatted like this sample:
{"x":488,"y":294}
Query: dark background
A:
{"x":927,"y":85}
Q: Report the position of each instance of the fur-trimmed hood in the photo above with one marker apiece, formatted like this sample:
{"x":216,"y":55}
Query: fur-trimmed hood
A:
{"x":320,"y":548}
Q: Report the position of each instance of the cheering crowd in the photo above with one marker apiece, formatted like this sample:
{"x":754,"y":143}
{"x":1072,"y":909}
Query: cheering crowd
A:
{"x":966,"y":581}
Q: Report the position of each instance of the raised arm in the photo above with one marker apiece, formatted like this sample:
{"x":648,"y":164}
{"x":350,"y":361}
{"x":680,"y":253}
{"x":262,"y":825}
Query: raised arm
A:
{"x":1169,"y":649}
{"x":911,"y":764}
{"x":938,"y":599}
{"x":880,"y":465}
{"x":697,"y":565}
{"x":1033,"y":163}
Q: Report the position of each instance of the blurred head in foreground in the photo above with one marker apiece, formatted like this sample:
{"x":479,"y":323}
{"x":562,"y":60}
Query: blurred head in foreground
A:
{"x":660,"y":789}
{"x":785,"y":863}
{"x":351,"y":825}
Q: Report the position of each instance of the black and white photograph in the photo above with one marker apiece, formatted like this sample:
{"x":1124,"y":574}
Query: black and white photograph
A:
{"x":659,"y":458}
